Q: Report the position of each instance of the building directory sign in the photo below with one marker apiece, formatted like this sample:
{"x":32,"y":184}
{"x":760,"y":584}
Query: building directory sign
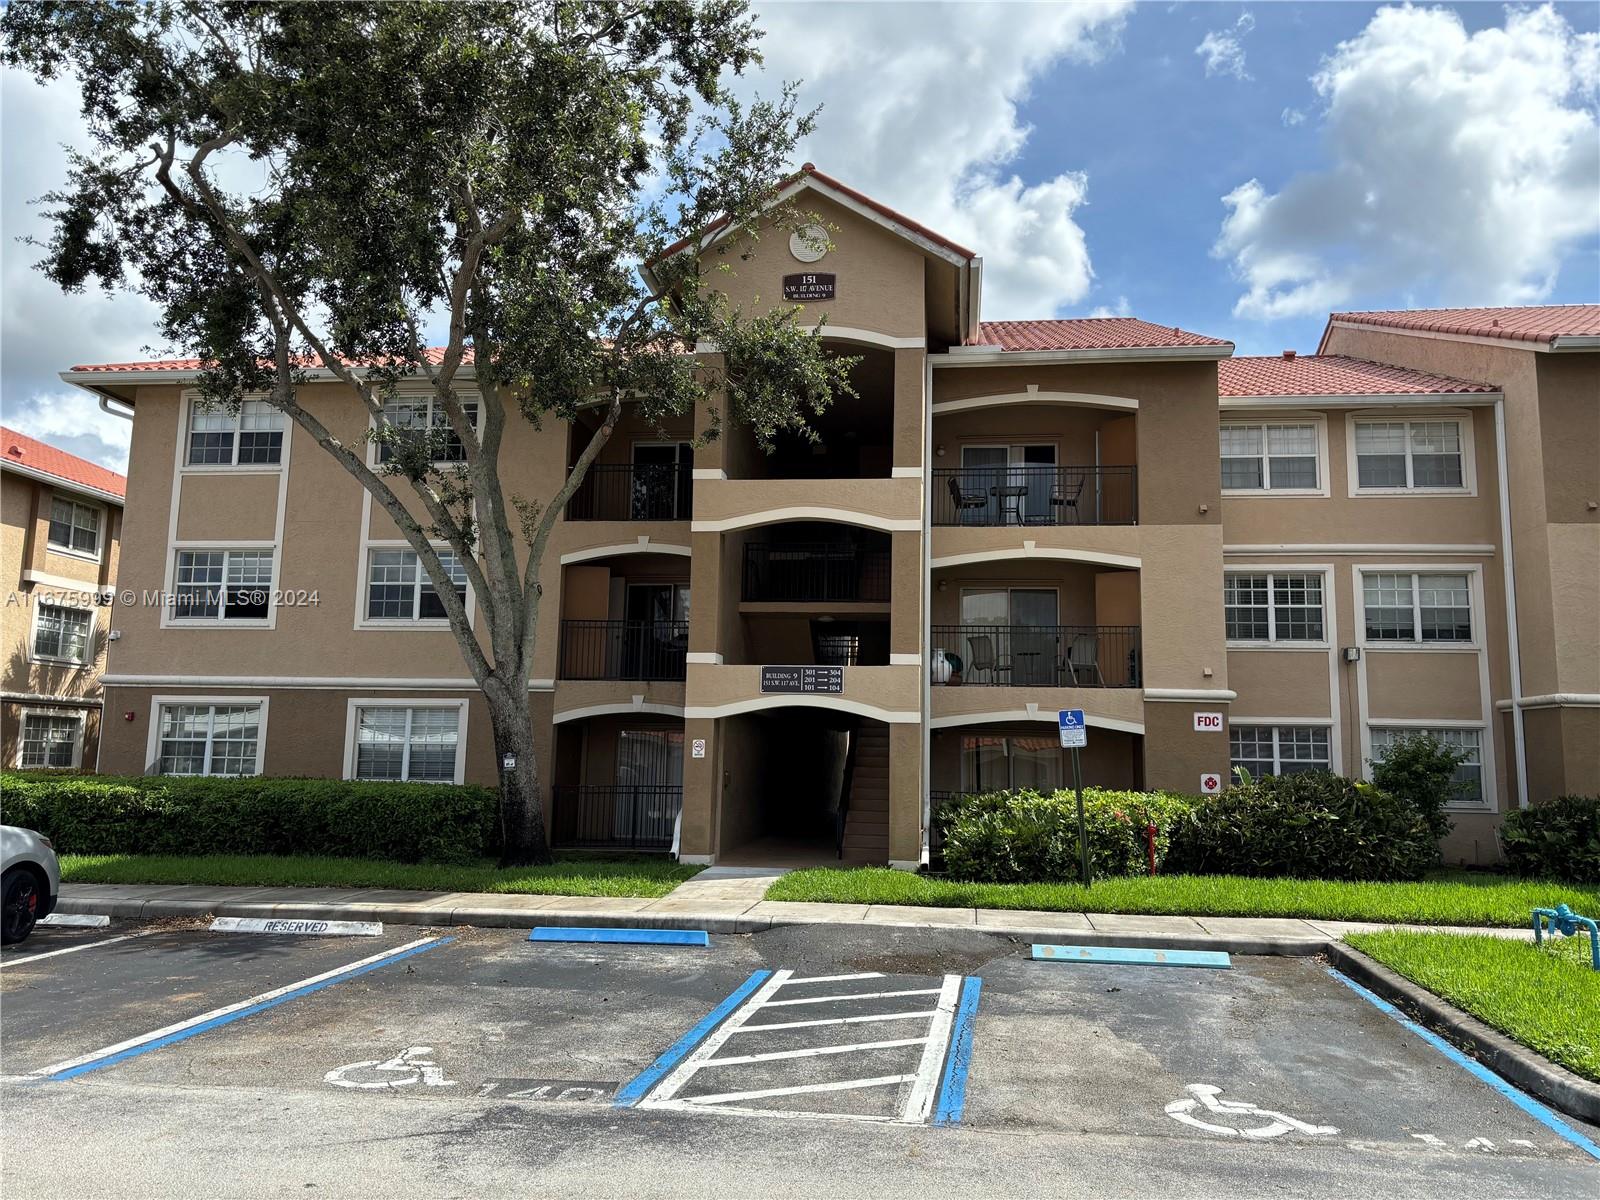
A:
{"x":809,"y":287}
{"x":826,"y":680}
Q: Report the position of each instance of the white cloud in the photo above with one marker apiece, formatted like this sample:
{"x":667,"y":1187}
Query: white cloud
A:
{"x":1292,"y":117}
{"x":43,"y":331}
{"x":1464,"y":167}
{"x":920,"y":111}
{"x":1120,"y":309}
{"x":1223,"y":49}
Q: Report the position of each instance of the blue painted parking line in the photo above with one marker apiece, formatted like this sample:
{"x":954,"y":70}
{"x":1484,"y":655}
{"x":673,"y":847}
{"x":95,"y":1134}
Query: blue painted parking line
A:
{"x":634,"y":1090}
{"x":1133,"y":956}
{"x":167,"y":1035}
{"x":953,"y":1088}
{"x":634,"y":937}
{"x":1512,"y":1093}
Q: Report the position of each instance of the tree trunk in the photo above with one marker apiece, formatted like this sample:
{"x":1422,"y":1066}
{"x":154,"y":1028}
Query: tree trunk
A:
{"x":522,"y":835}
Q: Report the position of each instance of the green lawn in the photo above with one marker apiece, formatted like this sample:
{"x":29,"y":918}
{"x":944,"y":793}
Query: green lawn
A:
{"x":572,"y":875}
{"x":1547,"y":997}
{"x":1446,"y":898}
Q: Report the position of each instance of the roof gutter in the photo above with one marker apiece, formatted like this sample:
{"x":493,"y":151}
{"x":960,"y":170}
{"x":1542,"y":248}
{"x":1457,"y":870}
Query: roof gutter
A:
{"x":55,"y":481}
{"x":1570,"y":342}
{"x":1365,"y":400}
{"x":994,"y":356}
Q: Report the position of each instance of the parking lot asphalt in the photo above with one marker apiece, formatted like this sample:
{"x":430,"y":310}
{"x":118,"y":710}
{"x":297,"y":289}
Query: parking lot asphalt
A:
{"x":798,"y":1061}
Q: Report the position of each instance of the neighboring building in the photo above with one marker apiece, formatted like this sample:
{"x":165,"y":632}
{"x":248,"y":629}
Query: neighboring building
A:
{"x":60,"y":524}
{"x":1013,"y":518}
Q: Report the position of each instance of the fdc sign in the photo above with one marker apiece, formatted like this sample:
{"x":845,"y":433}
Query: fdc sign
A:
{"x":1074,"y":731}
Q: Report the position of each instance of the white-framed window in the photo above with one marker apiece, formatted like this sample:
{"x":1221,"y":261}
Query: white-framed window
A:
{"x":997,"y":763}
{"x":1278,"y":749}
{"x":1463,"y":740}
{"x":1273,"y":456}
{"x":400,"y":589}
{"x":419,"y":741}
{"x":220,"y":438}
{"x":1401,"y":454}
{"x":50,"y":737}
{"x":75,"y":527}
{"x":208,"y":737}
{"x":62,"y":634}
{"x":1419,"y":607}
{"x":1274,"y":606}
{"x":222,"y":585}
{"x":421,"y":413}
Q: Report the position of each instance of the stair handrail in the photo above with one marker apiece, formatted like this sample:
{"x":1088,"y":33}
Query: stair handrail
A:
{"x":845,"y":788}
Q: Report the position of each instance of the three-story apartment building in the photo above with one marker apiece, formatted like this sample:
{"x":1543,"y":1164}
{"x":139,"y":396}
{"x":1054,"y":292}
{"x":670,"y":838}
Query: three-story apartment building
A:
{"x":795,"y":655}
{"x":60,"y":525}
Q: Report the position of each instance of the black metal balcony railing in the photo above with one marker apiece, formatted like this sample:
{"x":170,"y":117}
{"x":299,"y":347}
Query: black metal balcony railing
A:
{"x":815,"y":571}
{"x":624,"y":817}
{"x":1036,"y":495}
{"x":634,"y":492}
{"x":1038,"y":656}
{"x":623,"y":649}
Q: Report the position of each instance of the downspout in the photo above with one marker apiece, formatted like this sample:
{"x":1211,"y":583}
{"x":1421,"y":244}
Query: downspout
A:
{"x":923,"y":635}
{"x":126,"y":414}
{"x":1518,"y":733}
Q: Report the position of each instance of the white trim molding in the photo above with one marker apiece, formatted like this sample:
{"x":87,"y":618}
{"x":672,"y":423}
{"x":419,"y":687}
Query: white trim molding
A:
{"x":636,"y":705}
{"x":355,"y":703}
{"x":1318,"y":422}
{"x":1034,"y":396}
{"x":1464,"y":434}
{"x":56,"y":483}
{"x":1552,"y":700}
{"x":994,"y":356}
{"x":808,"y":512}
{"x":51,"y":701}
{"x":905,"y":473}
{"x":1031,"y":713}
{"x":643,"y":545}
{"x":1032,"y":549}
{"x":1425,"y":548}
{"x":701,"y":474}
{"x":1375,"y":399}
{"x":67,"y":584}
{"x":1189,"y":695}
{"x":67,"y":712}
{"x":734,"y":708}
{"x":905,"y":660}
{"x":152,"y":757}
{"x":703,"y":658}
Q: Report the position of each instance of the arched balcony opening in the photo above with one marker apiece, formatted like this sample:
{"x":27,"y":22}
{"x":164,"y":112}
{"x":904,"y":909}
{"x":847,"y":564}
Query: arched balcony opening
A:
{"x":625,"y":617}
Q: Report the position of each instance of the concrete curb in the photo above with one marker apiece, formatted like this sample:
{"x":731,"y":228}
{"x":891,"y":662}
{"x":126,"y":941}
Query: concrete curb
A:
{"x":511,"y":917}
{"x":1529,"y":1070}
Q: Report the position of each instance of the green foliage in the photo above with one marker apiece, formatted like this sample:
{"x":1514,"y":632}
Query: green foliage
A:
{"x":153,"y":814}
{"x":1547,"y":998}
{"x":1309,"y":825}
{"x":1558,"y":839}
{"x":1024,"y":836}
{"x":1420,"y":769}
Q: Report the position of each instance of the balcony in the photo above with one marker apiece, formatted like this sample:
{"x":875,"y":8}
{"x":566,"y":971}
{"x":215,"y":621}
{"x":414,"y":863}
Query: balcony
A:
{"x":815,"y":572}
{"x":634,"y":492}
{"x":623,"y":817}
{"x":638,"y":650}
{"x":1021,"y":495}
{"x":1058,"y":656}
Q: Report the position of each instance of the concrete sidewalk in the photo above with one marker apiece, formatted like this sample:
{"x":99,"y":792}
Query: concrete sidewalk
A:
{"x":729,"y":909}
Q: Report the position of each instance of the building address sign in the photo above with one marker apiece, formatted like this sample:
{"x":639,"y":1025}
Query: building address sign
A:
{"x":809,"y":287}
{"x":824,"y":680}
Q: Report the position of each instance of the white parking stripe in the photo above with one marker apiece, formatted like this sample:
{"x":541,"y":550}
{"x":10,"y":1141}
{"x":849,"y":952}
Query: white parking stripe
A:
{"x":838,"y":1085}
{"x":13,"y":962}
{"x":921,"y":1098}
{"x":905,"y":1016}
{"x":811,"y":1052}
{"x":684,"y":1071}
{"x":836,"y":978}
{"x":854,"y":996}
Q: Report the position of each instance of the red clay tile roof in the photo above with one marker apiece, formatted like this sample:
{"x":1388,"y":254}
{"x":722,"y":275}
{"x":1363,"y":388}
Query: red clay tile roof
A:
{"x":434,"y":354}
{"x":1530,"y":323}
{"x":1332,"y":375}
{"x":829,"y":181}
{"x":1088,"y":333}
{"x":19,"y":449}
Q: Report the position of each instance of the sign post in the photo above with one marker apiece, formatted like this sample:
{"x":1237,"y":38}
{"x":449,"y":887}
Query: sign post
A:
{"x":1075,"y":736}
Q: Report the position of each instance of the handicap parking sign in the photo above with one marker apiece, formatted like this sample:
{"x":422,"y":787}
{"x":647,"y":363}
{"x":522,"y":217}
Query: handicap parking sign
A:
{"x":1074,"y":730}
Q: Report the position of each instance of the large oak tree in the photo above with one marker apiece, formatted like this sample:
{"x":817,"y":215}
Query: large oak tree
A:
{"x":316,"y":186}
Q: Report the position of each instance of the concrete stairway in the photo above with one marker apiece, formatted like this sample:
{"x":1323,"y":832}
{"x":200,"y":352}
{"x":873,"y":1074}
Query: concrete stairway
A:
{"x":866,"y":828}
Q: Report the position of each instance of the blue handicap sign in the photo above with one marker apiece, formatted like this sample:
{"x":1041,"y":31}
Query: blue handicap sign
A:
{"x":1074,"y":730}
{"x":1071,"y":718}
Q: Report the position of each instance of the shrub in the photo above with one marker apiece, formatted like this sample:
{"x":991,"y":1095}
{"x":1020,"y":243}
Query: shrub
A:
{"x":1557,"y":839}
{"x":398,"y":822}
{"x":1310,"y":825}
{"x":1026,"y":836}
{"x":1420,"y":769}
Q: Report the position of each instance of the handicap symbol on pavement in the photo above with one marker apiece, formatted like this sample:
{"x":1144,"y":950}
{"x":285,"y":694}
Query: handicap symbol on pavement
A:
{"x":1205,"y":1094}
{"x":404,"y":1069}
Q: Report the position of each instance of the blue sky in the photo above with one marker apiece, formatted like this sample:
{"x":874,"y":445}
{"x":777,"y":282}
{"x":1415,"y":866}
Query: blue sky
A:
{"x":1235,"y":169}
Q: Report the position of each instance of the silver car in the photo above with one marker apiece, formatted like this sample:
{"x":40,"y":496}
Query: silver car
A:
{"x":30,"y":881}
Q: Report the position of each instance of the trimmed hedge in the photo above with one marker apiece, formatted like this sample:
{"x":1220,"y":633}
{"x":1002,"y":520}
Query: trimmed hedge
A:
{"x":154,"y":814}
{"x":1556,"y":839}
{"x":1310,"y":825}
{"x":1027,"y":836}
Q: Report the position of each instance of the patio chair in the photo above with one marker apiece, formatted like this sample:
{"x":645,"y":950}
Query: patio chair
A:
{"x":984,"y":658}
{"x":965,"y":501}
{"x":1064,"y":496}
{"x":1083,"y":658}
